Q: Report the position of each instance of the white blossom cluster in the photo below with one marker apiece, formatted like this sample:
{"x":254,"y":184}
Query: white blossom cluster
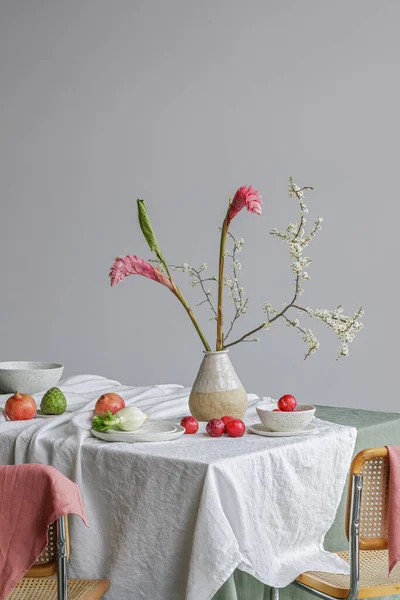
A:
{"x":236,"y":292}
{"x":298,"y":239}
{"x":344,"y":327}
{"x":311,"y":341}
{"x":269,"y":310}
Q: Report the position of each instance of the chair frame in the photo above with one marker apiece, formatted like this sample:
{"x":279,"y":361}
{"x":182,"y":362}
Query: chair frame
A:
{"x":58,"y":566}
{"x":354,"y":546}
{"x":62,"y":566}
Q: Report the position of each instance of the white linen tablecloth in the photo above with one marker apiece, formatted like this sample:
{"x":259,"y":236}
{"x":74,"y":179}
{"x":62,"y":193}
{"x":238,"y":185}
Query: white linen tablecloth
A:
{"x":173,"y":520}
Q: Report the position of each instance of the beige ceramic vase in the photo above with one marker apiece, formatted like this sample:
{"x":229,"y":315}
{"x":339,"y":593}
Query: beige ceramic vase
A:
{"x":217,"y":390}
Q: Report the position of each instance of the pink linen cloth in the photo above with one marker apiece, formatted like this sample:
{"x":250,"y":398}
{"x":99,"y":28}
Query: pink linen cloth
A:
{"x":31,"y":497}
{"x":394,"y":507}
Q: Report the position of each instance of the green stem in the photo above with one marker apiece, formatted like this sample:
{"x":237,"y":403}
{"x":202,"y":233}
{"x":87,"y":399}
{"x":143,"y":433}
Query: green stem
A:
{"x":220,"y":319}
{"x":189,"y":311}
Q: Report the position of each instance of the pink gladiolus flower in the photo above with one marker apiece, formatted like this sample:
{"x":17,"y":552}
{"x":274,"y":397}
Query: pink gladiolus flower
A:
{"x":133,"y":265}
{"x":248,"y":197}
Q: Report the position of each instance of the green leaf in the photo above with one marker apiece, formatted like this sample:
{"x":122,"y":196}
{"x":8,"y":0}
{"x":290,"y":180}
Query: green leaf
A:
{"x":103,"y":422}
{"x":147,"y":228}
{"x":148,"y":232}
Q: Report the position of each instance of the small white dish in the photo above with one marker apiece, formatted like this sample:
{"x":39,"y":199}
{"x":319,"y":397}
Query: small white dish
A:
{"x":260,"y":429}
{"x":153,"y":431}
{"x":285,"y":421}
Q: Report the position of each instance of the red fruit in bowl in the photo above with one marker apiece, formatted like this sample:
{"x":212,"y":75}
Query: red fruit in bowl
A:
{"x":215,"y":428}
{"x":190,"y":424}
{"x":235,"y":428}
{"x":108,"y":402}
{"x":287,"y":403}
{"x":226,"y":419}
{"x":20,"y":407}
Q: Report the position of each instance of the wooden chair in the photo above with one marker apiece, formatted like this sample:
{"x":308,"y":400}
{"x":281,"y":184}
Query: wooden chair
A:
{"x":40,"y":583}
{"x":367,"y":532}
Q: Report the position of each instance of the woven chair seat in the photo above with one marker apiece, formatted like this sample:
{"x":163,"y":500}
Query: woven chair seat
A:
{"x":36,"y":588}
{"x":374,"y":577}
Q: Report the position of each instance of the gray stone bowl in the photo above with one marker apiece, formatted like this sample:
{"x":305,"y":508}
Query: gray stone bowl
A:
{"x":286,"y":421}
{"x":28,"y":377}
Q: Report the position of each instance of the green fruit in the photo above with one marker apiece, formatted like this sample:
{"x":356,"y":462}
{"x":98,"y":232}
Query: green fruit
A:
{"x":53,"y":402}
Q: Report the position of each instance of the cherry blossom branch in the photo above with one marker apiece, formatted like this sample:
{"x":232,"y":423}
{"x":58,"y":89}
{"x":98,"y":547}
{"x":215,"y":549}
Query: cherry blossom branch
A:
{"x":266,"y":324}
{"x":295,"y":235}
{"x":313,"y":347}
{"x":238,"y":300}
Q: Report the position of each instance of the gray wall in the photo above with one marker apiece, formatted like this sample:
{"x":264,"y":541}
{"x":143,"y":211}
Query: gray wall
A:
{"x":181,"y":102}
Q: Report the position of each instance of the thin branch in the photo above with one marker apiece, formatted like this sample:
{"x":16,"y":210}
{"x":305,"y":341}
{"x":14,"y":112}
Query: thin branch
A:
{"x":237,"y":315}
{"x":358,"y":313}
{"x":240,"y":304}
{"x":201,"y":282}
{"x":301,"y":203}
{"x":312,"y":348}
{"x":253,"y":331}
{"x":277,"y":316}
{"x":300,"y":308}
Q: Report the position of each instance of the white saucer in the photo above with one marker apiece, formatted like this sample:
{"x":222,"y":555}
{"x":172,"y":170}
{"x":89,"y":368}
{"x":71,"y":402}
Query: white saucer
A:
{"x":153,"y":431}
{"x":260,"y":429}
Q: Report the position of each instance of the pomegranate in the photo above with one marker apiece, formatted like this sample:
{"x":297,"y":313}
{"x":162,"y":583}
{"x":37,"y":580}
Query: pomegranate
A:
{"x":287,"y":403}
{"x":215,"y":428}
{"x":235,"y":428}
{"x":20,"y":407}
{"x":108,"y":402}
{"x":190,"y":424}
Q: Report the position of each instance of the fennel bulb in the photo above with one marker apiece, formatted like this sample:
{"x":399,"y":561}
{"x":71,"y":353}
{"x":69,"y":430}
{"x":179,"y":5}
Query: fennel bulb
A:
{"x":126,"y":419}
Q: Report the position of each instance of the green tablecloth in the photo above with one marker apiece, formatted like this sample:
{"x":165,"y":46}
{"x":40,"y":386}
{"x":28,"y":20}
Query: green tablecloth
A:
{"x":373,"y":429}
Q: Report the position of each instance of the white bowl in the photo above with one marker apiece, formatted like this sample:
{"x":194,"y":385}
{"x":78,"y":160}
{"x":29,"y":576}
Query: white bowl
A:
{"x":28,"y":377}
{"x":286,"y":421}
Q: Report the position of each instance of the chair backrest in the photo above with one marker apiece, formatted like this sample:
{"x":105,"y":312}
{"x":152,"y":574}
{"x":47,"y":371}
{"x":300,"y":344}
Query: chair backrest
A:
{"x":373,"y":465}
{"x":46,"y":564}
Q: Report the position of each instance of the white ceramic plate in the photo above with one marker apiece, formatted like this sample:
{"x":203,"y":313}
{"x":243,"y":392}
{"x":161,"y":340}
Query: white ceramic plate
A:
{"x":260,"y":429}
{"x":149,"y":427}
{"x":154,"y":431}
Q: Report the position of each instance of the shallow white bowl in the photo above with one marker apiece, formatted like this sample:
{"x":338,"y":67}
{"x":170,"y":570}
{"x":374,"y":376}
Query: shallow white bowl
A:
{"x":286,"y":421}
{"x":28,"y":377}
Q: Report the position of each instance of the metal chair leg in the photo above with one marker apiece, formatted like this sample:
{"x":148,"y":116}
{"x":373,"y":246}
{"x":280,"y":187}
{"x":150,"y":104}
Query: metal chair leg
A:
{"x":62,"y":577}
{"x":354,"y":542}
{"x":274,"y":595}
{"x":354,"y":546}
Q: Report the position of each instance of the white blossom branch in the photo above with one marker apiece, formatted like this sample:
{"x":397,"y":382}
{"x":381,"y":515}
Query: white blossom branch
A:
{"x":236,"y":290}
{"x":197,"y":279}
{"x":297,"y":239}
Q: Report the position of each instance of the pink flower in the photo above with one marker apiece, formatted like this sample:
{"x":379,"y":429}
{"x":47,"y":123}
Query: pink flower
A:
{"x":133,"y":265}
{"x":248,"y":197}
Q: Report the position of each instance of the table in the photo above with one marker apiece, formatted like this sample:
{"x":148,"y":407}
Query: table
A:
{"x":373,"y":429}
{"x":173,"y":520}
